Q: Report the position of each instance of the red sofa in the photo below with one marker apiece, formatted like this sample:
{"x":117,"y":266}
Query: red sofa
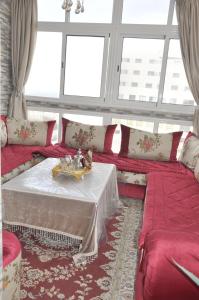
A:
{"x":170,"y":232}
{"x":171,"y":205}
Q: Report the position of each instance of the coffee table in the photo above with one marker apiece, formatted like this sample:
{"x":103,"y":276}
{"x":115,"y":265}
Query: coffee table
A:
{"x":63,"y":206}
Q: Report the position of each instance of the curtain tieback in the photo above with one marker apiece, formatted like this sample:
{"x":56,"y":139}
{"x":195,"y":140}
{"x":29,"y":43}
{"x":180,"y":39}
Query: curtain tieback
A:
{"x":17,"y":92}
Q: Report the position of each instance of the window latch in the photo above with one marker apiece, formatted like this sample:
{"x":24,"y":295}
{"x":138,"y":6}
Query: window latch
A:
{"x":118,"y":68}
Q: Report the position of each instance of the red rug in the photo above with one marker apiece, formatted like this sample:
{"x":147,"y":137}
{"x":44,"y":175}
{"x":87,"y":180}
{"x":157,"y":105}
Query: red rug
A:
{"x":48,"y":271}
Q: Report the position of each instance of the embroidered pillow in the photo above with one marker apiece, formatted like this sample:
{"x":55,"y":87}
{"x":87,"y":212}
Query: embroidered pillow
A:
{"x":3,"y":131}
{"x":145,"y":145}
{"x":26,"y":132}
{"x":190,"y":152}
{"x":77,"y":135}
{"x":196,"y":170}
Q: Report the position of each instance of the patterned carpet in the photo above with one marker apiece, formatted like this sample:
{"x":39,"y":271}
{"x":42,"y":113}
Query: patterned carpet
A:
{"x":48,"y":271}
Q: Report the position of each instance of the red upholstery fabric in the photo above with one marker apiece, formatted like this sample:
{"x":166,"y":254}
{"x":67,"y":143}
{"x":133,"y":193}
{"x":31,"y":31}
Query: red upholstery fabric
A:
{"x":14,"y":155}
{"x":125,"y":142}
{"x":162,"y":280}
{"x":170,"y":231}
{"x":122,"y":163}
{"x":171,"y":203}
{"x":51,"y":125}
{"x":108,"y":136}
{"x":132,"y":190}
{"x":11,"y":247}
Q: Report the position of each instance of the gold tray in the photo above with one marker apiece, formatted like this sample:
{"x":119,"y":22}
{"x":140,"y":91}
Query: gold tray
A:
{"x":78,"y":173}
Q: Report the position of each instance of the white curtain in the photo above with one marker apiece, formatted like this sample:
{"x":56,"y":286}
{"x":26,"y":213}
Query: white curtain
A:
{"x":188,"y":21}
{"x":23,"y":38}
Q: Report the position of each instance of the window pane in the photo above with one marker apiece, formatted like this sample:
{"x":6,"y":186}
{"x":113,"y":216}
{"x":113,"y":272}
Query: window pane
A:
{"x":85,"y":119}
{"x":145,"y":11}
{"x":46,"y":116}
{"x":176,"y":89}
{"x":51,"y":10}
{"x":84,"y":56}
{"x":166,"y":128}
{"x":175,"y":21}
{"x":44,"y":78}
{"x":141,"y":57}
{"x":95,"y":11}
{"x":142,"y":125}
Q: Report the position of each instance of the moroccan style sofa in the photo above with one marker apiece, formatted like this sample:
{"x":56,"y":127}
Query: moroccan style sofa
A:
{"x":170,"y":230}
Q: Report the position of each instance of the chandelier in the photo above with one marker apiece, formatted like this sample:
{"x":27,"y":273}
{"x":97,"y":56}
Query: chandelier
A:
{"x":67,"y":5}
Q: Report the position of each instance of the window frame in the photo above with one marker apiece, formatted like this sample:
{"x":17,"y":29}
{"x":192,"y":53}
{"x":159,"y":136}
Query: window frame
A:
{"x":113,"y":34}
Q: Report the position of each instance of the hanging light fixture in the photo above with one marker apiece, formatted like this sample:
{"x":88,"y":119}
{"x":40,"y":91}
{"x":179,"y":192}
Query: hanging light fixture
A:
{"x":67,"y":5}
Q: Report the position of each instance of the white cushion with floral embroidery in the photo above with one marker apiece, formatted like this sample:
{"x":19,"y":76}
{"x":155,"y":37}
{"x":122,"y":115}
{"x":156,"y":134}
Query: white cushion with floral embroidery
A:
{"x":27,"y":133}
{"x":196,"y":170}
{"x":149,"y":145}
{"x":3,"y":131}
{"x":145,"y":145}
{"x":84,"y":136}
{"x":78,"y":135}
{"x":190,"y":152}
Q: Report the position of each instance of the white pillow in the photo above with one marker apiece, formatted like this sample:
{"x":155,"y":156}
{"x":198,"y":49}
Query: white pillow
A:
{"x":3,"y":132}
{"x":190,"y":152}
{"x":25,"y":132}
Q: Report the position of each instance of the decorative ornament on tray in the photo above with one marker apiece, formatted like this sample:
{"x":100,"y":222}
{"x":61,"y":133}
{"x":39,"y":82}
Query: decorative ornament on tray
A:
{"x":76,"y":166}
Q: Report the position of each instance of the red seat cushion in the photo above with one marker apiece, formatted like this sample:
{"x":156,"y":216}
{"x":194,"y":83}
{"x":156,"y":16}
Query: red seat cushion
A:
{"x":162,"y":279}
{"x":14,"y":155}
{"x":171,"y":203}
{"x":122,"y":163}
{"x":11,"y":247}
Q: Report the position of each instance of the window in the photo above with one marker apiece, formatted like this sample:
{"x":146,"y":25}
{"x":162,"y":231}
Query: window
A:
{"x":152,"y":99}
{"x":174,"y":63}
{"x":142,"y":98}
{"x":90,"y":58}
{"x":148,"y":85}
{"x":174,"y":87}
{"x":95,"y":12}
{"x":173,"y":100}
{"x":151,"y":73}
{"x":152,"y":61}
{"x":132,"y":97}
{"x":49,"y":10}
{"x":85,"y":119}
{"x":46,"y":116}
{"x":114,"y":56}
{"x":188,"y":102}
{"x":138,"y":60}
{"x":175,"y":22}
{"x":44,"y":78}
{"x":176,"y":75}
{"x":136,"y":72}
{"x":124,"y":71}
{"x":122,"y":83}
{"x":134,"y":84}
{"x":125,"y":59}
{"x":142,"y":125}
{"x":148,"y":48}
{"x":145,"y":11}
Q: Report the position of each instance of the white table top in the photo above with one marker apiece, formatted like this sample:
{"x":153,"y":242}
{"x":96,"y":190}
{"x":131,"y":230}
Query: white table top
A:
{"x":39,"y":180}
